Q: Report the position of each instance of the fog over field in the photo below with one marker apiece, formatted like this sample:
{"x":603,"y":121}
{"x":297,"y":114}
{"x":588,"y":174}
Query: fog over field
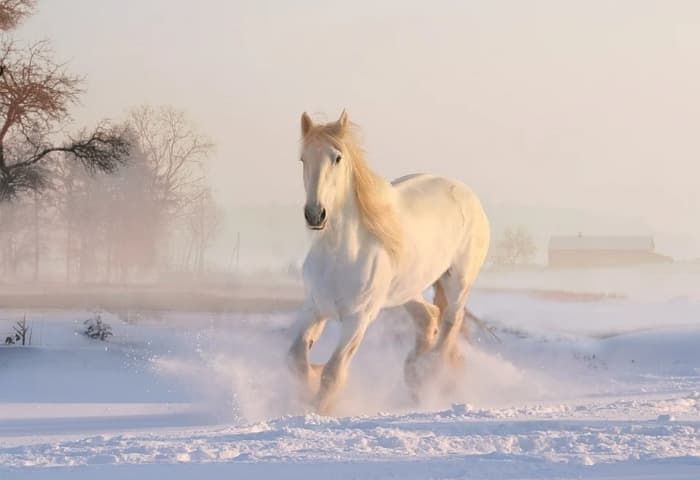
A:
{"x":156,"y":317}
{"x":565,"y":117}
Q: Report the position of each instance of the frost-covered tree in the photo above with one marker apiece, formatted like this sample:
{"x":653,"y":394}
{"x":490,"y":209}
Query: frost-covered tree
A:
{"x":12,"y":12}
{"x":204,"y":220}
{"x":515,"y":247}
{"x":110,"y":222}
{"x":175,"y":152}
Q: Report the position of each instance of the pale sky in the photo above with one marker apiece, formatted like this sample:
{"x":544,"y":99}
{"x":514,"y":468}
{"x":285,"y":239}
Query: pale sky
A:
{"x":586,"y":105}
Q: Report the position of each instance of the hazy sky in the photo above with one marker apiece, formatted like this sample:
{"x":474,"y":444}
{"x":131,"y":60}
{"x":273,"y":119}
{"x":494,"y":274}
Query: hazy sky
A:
{"x":589,"y":105}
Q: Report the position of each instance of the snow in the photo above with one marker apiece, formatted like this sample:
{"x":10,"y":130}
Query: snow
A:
{"x":575,"y":389}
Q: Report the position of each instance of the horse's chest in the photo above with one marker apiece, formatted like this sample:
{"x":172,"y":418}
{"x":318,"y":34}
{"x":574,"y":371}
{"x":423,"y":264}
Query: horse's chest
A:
{"x":339,"y":286}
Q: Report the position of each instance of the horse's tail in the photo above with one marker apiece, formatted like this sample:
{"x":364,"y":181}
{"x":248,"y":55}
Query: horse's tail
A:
{"x":468,"y":315}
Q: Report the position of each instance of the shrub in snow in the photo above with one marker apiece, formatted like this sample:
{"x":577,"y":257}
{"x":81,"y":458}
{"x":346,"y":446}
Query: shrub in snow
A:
{"x":22,"y":333}
{"x":96,"y":328}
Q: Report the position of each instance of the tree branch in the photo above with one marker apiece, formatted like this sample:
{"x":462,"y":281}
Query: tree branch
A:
{"x":14,"y":11}
{"x":104,"y":150}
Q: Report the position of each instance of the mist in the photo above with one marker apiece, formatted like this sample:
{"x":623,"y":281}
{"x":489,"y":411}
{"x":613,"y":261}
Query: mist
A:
{"x":159,"y":317}
{"x":564,"y":117}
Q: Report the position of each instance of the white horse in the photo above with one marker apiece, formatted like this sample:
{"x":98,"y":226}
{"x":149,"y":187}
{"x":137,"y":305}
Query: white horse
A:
{"x":377,"y":245}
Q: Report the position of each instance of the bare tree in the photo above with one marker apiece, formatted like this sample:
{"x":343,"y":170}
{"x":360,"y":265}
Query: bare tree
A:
{"x":175,"y":151}
{"x":131,"y":236}
{"x":205,"y":220}
{"x":14,"y":11}
{"x":41,"y":215}
{"x":35,"y":96}
{"x":15,"y":237}
{"x":516,"y":246}
{"x":67,"y":184}
{"x":111,"y":222}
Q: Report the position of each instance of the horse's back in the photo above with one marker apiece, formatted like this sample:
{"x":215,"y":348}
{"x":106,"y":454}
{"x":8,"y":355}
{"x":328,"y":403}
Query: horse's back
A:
{"x":445,"y":227}
{"x":432,"y":191}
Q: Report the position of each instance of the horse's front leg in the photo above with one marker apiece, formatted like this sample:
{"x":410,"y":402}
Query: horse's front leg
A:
{"x":335,"y":372}
{"x":311,"y":326}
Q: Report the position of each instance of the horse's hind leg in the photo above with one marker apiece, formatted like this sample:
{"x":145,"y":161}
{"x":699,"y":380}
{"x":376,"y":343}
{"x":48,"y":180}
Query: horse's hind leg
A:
{"x":455,"y":289}
{"x":425,"y":317}
{"x":440,"y":299}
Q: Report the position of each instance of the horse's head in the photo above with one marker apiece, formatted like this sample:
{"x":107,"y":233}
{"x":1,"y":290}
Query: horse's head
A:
{"x":327,"y":169}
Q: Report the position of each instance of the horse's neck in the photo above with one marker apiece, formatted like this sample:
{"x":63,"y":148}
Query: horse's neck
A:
{"x":345,"y":229}
{"x":347,"y":220}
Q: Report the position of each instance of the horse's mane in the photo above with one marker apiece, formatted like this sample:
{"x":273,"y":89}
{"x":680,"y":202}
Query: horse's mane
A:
{"x":377,"y":212}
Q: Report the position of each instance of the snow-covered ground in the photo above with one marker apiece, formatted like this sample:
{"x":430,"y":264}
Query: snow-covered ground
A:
{"x":575,"y":389}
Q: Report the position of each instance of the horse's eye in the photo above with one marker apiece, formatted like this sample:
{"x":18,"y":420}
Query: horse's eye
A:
{"x":337,"y":159}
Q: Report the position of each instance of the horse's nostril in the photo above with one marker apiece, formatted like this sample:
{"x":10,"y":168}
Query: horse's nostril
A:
{"x":315,"y":215}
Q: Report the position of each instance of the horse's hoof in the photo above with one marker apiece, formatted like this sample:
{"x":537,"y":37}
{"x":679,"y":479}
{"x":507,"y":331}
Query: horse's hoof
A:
{"x":417,"y":370}
{"x":451,"y":358}
{"x":415,"y":397}
{"x":456,"y":360}
{"x":314,"y":375}
{"x":323,"y":407}
{"x":308,"y":383}
{"x":454,"y":365}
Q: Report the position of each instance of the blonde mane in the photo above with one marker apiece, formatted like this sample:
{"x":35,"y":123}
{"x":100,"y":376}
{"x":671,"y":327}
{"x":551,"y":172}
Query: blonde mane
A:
{"x":371,"y":191}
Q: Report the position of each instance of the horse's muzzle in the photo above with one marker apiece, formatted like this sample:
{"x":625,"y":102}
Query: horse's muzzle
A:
{"x":315,"y":216}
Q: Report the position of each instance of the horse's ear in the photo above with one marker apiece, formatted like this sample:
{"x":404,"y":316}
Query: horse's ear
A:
{"x":306,"y":123}
{"x":343,"y":120}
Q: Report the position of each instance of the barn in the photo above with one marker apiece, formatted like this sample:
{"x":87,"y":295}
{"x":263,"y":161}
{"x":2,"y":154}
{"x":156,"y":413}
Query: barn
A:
{"x":582,"y":251}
